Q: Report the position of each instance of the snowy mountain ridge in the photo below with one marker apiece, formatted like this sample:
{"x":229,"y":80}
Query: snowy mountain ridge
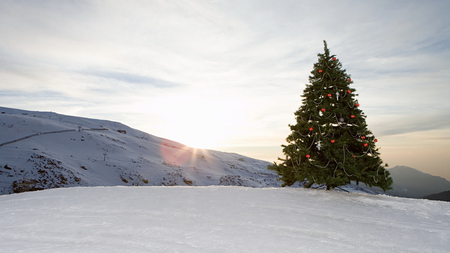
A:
{"x":40,"y":150}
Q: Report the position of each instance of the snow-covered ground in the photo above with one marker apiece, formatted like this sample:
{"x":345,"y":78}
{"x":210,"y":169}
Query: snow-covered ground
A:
{"x":219,"y":219}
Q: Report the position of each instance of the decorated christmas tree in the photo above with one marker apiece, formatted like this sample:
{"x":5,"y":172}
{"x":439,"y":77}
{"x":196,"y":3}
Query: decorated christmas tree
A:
{"x":330,"y":144}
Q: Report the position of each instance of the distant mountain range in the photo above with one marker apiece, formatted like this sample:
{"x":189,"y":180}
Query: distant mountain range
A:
{"x":41,"y":150}
{"x":412,"y":183}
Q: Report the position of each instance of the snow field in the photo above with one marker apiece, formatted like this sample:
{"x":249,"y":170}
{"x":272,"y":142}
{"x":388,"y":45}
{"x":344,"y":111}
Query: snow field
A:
{"x":219,"y":219}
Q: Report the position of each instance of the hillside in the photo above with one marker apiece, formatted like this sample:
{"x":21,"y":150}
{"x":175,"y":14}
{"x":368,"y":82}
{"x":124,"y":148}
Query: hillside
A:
{"x":41,"y":150}
{"x":219,"y":219}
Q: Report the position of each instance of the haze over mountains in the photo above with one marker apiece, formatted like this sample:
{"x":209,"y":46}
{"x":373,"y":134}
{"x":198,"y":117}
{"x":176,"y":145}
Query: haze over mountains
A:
{"x":40,"y":150}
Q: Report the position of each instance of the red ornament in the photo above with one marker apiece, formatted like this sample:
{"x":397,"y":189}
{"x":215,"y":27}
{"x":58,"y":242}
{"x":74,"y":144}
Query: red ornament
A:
{"x":334,"y":58}
{"x":332,"y":141}
{"x":363,"y":137}
{"x":308,"y":156}
{"x":375,"y":140}
{"x":365,"y":144}
{"x":320,"y":71}
{"x":356,"y":105}
{"x":354,"y":156}
{"x":329,"y":95}
{"x":323,"y":109}
{"x":349,"y":91}
{"x":352,"y":116}
{"x":349,"y":80}
{"x":310,"y":129}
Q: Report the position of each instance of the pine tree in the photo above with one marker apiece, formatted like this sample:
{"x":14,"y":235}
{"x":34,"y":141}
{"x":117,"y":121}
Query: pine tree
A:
{"x":330,"y":143}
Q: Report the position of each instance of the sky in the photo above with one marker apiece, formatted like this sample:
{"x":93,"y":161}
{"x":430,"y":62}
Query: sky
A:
{"x":228,"y":75}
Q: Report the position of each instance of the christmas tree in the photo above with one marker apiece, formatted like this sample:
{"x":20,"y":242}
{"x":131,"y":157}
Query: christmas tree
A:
{"x":330,"y":143}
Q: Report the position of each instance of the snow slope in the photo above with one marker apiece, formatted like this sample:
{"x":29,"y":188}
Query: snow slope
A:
{"x":219,"y":219}
{"x":41,"y":150}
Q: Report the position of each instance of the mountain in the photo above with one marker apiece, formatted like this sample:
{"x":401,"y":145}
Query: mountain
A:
{"x":412,"y":183}
{"x":219,"y":219}
{"x":41,"y":150}
{"x":445,"y":196}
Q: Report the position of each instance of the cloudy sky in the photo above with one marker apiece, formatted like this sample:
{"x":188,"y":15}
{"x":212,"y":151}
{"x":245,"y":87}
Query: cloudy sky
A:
{"x":228,"y":75}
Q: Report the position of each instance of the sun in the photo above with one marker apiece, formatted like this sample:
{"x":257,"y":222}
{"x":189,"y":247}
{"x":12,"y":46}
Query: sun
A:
{"x":199,"y":128}
{"x":197,"y":136}
{"x":204,"y":121}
